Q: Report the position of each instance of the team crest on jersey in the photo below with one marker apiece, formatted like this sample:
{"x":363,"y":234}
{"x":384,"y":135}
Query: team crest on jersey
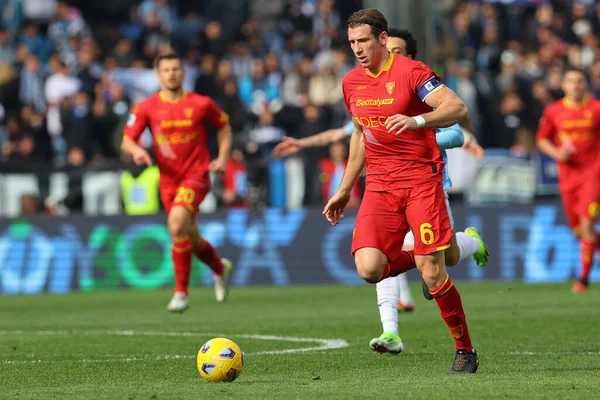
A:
{"x":189,"y":111}
{"x":390,"y":86}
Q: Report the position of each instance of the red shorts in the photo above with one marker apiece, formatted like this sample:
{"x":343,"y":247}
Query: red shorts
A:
{"x":581,"y":202}
{"x":385,"y":217}
{"x":188,"y":194}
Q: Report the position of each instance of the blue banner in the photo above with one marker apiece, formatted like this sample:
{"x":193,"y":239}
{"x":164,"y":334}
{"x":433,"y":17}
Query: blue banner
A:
{"x":58,"y":255}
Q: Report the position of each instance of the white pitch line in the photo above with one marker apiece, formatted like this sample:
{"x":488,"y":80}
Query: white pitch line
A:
{"x":324,"y":344}
{"x":551,"y":353}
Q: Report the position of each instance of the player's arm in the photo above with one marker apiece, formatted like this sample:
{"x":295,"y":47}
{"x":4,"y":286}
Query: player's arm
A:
{"x":356,"y":161}
{"x":448,"y":109}
{"x":289,"y":146}
{"x":136,"y":124}
{"x":450,"y":137}
{"x":220,"y":120}
{"x":545,"y":140}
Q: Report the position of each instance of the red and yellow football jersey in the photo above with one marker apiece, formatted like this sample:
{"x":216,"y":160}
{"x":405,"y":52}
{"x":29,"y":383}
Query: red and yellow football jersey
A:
{"x":413,"y":157}
{"x":577,"y":127}
{"x":179,"y":133}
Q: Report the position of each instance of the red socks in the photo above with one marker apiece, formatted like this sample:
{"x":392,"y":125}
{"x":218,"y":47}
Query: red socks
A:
{"x":587,"y":259}
{"x":451,"y":309}
{"x":182,"y":263}
{"x":208,"y":255}
{"x":405,"y":262}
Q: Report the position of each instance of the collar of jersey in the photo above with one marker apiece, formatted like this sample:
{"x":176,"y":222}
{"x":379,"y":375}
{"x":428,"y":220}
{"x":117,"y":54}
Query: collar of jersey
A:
{"x":572,"y":106}
{"x":165,"y":100}
{"x":387,"y":66}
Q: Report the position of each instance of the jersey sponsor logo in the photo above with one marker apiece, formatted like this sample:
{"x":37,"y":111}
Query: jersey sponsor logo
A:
{"x":390,"y":86}
{"x":189,"y":111}
{"x":176,"y":123}
{"x":378,"y":102}
{"x":575,"y":136}
{"x":578,"y":123}
{"x":372,"y":121}
{"x":131,"y":120}
{"x":181,"y":137}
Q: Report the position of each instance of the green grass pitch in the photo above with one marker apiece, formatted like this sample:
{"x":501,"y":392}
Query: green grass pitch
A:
{"x":534,"y":341}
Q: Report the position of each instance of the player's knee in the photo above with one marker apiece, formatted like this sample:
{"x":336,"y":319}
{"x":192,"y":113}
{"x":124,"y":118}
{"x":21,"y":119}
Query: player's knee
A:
{"x":433,"y":272}
{"x":369,"y":269}
{"x":178,"y":226}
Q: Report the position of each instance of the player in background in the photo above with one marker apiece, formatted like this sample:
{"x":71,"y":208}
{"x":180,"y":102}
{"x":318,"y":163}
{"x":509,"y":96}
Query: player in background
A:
{"x":177,"y":121}
{"x":396,"y":104}
{"x":465,"y":244}
{"x":569,"y":132}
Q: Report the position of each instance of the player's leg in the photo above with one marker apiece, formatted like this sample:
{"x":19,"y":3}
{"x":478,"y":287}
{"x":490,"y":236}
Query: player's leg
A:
{"x":380,"y":226}
{"x":465,"y":244}
{"x":432,"y":236}
{"x":587,"y":212}
{"x":179,"y":223}
{"x":406,"y":302}
{"x":387,"y":297}
{"x":576,"y":210}
{"x":221,"y":267}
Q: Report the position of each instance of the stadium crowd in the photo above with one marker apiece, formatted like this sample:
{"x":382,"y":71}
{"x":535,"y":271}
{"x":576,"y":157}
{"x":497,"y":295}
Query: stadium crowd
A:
{"x":69,"y":74}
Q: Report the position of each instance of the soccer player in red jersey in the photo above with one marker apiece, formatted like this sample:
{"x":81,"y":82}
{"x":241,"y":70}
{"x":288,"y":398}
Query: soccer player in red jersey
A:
{"x":392,"y":101}
{"x":177,"y":121}
{"x":569,"y":132}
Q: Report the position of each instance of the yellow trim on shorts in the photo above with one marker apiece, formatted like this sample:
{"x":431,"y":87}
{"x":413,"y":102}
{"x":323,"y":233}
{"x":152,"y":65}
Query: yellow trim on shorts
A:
{"x":444,"y":247}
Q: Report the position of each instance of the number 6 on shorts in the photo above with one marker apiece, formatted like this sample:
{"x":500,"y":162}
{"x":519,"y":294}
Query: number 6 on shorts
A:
{"x":427,"y":236}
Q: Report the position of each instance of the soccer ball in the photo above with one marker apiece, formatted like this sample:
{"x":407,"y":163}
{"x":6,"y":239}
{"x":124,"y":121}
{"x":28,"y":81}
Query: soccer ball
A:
{"x":220,"y":360}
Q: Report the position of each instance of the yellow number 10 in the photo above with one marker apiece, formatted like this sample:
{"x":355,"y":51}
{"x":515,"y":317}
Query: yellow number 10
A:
{"x":427,"y":236}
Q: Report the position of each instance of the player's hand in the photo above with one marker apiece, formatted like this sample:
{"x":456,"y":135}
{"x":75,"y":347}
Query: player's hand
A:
{"x":565,"y":151}
{"x":141,"y":157}
{"x":218,"y":165}
{"x":473,"y":148}
{"x":334,"y":209}
{"x":288,"y":146}
{"x":399,"y":123}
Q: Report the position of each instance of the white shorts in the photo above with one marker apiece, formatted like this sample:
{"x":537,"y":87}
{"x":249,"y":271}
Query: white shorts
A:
{"x":409,"y":239}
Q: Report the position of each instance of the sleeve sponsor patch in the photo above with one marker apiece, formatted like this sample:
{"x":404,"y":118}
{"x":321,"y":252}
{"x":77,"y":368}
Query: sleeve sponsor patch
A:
{"x":131,"y":120}
{"x":428,"y":87}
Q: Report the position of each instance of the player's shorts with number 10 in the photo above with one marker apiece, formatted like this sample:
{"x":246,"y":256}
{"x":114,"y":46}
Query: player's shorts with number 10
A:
{"x":188,"y":194}
{"x":384,"y":219}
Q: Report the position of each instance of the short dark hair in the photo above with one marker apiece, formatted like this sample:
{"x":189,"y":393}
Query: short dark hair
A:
{"x":407,"y":36}
{"x":369,"y":16}
{"x":166,"y":56}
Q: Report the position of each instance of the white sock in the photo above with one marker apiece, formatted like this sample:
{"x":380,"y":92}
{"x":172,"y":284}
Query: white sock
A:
{"x":405,"y":295}
{"x":388,"y":296}
{"x":468,"y":245}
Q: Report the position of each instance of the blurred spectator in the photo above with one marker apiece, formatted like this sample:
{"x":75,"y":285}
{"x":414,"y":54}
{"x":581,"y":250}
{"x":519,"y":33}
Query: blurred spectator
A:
{"x":67,"y":24}
{"x":31,"y":91}
{"x":36,"y":43}
{"x":332,"y":171}
{"x":162,"y":9}
{"x":235,"y":181}
{"x":296,"y":84}
{"x":257,"y":91}
{"x":30,"y":205}
{"x":7,"y":47}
